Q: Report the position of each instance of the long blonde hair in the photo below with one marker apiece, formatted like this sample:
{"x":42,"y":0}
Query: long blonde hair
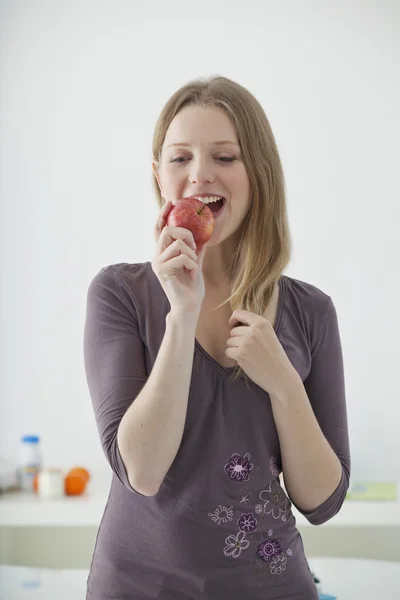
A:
{"x":264,"y":248}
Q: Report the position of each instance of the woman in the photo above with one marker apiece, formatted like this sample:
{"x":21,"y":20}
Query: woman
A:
{"x":211,"y":373}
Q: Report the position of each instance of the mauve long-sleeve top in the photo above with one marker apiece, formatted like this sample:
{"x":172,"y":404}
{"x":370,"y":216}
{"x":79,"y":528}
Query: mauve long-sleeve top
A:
{"x":221,"y":525}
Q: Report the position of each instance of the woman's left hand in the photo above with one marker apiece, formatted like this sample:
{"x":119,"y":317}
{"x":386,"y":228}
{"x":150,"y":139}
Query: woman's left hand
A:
{"x":256,"y":349}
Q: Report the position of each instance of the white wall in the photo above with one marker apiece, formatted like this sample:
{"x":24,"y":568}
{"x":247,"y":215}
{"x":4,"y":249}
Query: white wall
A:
{"x":82,"y":86}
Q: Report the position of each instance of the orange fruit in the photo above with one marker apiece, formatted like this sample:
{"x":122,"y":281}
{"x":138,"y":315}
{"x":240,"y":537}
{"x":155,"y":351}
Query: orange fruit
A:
{"x":80,"y":471}
{"x":74,"y":484}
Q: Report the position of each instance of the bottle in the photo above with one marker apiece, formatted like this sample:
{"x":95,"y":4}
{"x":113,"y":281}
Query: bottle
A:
{"x":30,"y":461}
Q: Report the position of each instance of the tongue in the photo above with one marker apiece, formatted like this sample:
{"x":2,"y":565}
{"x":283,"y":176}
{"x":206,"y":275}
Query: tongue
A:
{"x":215,"y":206}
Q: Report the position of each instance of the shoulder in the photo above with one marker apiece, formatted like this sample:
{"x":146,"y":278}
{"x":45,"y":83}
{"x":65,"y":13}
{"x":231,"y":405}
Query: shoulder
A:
{"x":125,"y":282}
{"x":307,"y":295}
{"x":309,"y":305}
{"x":128,"y":272}
{"x":125,"y":275}
{"x":133,"y":285}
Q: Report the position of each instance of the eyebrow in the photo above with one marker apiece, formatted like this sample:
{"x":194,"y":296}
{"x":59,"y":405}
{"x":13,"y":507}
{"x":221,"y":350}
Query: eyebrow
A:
{"x":221,"y":143}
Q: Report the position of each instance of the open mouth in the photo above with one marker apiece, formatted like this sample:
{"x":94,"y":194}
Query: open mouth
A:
{"x":216,"y":207}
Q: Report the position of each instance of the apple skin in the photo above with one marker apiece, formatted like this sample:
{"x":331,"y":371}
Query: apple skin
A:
{"x":194,"y":215}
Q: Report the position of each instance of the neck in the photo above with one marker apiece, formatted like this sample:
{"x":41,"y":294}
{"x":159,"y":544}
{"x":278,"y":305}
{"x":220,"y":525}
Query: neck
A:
{"x":216,"y":263}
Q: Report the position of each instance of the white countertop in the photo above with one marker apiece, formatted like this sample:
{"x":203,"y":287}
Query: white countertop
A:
{"x":18,"y":509}
{"x":346,"y":578}
{"x":25,"y":509}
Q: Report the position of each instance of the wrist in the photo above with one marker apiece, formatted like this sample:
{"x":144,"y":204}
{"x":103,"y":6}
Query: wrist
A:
{"x":183,"y":318}
{"x":289,"y":388}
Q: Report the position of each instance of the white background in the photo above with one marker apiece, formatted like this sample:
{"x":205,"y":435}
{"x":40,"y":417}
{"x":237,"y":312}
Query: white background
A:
{"x":82,"y":85}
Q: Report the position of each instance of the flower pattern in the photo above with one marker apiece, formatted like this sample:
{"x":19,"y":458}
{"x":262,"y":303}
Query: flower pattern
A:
{"x":276,"y":501}
{"x":247,"y":522}
{"x":238,"y":468}
{"x":278,"y":564}
{"x":222,"y":514}
{"x":235,"y":544}
{"x":268,"y":549}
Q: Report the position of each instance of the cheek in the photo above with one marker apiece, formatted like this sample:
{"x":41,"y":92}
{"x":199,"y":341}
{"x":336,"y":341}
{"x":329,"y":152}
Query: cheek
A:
{"x":173,"y":184}
{"x":241,"y":183}
{"x":242,"y":204}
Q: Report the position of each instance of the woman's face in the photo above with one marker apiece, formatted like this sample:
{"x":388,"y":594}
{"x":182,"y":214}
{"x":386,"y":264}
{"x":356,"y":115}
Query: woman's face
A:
{"x":204,"y":166}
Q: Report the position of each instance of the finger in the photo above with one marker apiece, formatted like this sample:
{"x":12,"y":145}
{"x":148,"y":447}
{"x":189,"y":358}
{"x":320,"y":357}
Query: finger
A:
{"x":170,"y":234}
{"x":162,"y":219}
{"x":233,"y":342}
{"x":239,"y":330}
{"x":241,"y":316}
{"x":231,"y":353}
{"x":175,"y":249}
{"x":177,"y":263}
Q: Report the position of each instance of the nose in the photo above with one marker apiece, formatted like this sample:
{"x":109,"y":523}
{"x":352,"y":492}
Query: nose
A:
{"x":201,"y":171}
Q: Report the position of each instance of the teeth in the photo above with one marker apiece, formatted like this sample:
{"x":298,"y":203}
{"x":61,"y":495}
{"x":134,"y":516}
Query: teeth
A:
{"x":209,"y":199}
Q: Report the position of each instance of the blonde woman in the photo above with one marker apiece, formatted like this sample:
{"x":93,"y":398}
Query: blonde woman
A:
{"x":211,"y":374}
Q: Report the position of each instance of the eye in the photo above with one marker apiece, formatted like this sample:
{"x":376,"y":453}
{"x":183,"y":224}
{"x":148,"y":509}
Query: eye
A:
{"x":226,"y":159}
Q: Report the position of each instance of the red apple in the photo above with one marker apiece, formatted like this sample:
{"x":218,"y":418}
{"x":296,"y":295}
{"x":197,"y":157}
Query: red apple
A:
{"x":194,"y":215}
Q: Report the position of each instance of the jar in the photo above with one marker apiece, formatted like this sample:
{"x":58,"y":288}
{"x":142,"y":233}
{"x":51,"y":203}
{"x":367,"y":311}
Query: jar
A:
{"x":30,"y":461}
{"x":51,"y":483}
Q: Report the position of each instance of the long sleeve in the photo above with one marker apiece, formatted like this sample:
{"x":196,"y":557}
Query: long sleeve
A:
{"x":325,"y":387}
{"x":114,"y":360}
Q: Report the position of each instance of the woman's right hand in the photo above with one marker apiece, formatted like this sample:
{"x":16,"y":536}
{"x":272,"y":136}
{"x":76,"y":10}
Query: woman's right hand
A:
{"x":178,"y":265}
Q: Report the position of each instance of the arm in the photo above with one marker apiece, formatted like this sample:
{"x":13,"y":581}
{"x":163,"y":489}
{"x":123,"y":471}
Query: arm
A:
{"x":311,"y":420}
{"x":140,"y":418}
{"x":151,"y":430}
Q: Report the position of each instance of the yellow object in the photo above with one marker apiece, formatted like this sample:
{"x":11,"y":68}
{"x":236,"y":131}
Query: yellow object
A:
{"x":372,"y":491}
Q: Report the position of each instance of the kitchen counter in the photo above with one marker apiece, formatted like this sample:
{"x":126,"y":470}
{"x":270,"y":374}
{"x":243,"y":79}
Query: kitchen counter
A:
{"x":24,"y":509}
{"x":62,"y":533}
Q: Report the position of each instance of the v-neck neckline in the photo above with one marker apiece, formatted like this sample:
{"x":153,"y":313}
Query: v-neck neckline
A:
{"x":276,"y":327}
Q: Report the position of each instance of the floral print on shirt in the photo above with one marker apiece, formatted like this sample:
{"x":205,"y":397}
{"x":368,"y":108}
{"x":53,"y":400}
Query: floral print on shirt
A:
{"x":239,"y":467}
{"x":236,"y":544}
{"x":247,"y":522}
{"x":222,"y":514}
{"x":268,"y":556}
{"x":268,"y":549}
{"x":276,"y":501}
